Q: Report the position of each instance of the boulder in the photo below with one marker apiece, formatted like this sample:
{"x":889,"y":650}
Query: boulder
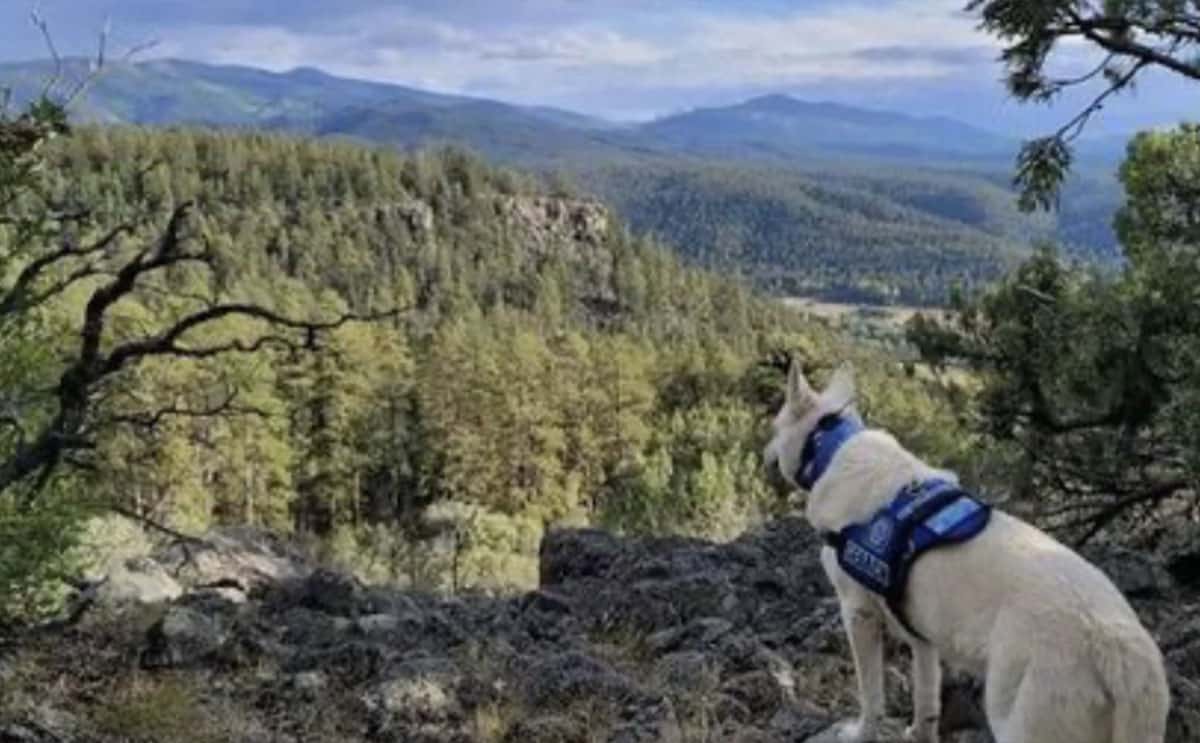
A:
{"x":183,"y":637}
{"x":687,"y":672}
{"x":1136,"y":574}
{"x":797,"y":724}
{"x":548,"y":729}
{"x":562,"y":678}
{"x":651,"y":721}
{"x":627,"y":640}
{"x":1181,"y":554}
{"x":44,"y":724}
{"x":332,"y":593}
{"x":242,"y":557}
{"x":138,"y":580}
{"x":570,"y":554}
{"x":698,"y":635}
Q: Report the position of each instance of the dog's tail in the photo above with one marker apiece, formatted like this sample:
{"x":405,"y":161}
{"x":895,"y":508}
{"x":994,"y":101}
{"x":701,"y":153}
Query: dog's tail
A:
{"x":1135,"y":677}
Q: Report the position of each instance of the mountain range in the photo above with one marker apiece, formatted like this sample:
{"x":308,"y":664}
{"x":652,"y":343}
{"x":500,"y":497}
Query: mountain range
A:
{"x":306,"y":99}
{"x":884,"y":186}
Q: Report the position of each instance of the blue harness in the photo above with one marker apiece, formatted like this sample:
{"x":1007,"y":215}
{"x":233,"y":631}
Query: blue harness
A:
{"x":880,"y":552}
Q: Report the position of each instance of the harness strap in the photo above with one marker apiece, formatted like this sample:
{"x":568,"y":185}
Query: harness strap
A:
{"x":879,"y":553}
{"x":837,"y":541}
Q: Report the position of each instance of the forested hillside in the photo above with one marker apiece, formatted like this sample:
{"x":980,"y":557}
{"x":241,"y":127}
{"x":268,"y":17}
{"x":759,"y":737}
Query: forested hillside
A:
{"x":833,"y":201}
{"x":550,"y":365}
{"x":853,"y":233}
{"x":836,"y":236}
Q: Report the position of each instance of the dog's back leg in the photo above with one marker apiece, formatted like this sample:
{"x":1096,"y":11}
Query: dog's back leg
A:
{"x":1051,"y":707}
{"x":1000,"y":690}
{"x":1131,"y":666}
{"x":1137,"y":720}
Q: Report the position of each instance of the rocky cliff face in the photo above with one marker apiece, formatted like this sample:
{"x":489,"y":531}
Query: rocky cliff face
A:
{"x":575,"y":232}
{"x":626,"y":641}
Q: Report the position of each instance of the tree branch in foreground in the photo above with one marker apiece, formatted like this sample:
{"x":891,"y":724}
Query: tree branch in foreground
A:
{"x":72,"y":428}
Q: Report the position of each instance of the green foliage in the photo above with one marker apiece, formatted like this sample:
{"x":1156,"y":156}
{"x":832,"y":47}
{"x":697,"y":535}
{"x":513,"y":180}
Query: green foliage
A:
{"x":816,"y":198}
{"x":1094,"y":378}
{"x":37,"y":551}
{"x":553,"y":367}
{"x":527,"y":383}
{"x":1130,"y":37}
{"x":37,"y":536}
{"x":883,"y":234}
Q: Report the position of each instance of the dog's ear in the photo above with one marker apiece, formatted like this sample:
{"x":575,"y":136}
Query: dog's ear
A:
{"x":800,"y":395}
{"x":841,"y":391}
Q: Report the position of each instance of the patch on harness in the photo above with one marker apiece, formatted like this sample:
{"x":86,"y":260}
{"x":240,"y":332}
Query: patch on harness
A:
{"x":879,"y":553}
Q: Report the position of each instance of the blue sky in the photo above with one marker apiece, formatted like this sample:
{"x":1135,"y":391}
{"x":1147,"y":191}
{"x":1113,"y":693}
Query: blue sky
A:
{"x":625,"y":59}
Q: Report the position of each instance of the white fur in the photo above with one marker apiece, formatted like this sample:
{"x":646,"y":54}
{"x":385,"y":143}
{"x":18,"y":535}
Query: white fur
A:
{"x":1062,"y":654}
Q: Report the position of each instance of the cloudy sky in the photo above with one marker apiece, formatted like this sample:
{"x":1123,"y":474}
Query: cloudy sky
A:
{"x":624,"y":59}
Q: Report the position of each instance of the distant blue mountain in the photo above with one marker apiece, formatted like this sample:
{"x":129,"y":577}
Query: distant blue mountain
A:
{"x":780,"y":125}
{"x":175,"y":91}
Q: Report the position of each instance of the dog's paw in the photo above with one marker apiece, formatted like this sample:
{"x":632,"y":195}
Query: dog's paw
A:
{"x":857,"y":731}
{"x":921,"y":733}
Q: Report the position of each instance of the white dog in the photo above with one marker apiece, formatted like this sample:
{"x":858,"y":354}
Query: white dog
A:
{"x":1062,"y":654}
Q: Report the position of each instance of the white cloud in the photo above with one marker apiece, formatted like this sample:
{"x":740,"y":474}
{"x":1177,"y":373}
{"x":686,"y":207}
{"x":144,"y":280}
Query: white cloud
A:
{"x":628,"y":58}
{"x":662,"y":46}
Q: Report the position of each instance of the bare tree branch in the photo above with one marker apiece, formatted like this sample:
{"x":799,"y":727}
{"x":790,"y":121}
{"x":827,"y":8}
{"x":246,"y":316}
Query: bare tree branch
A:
{"x":156,"y":526}
{"x":1100,"y":520}
{"x":22,"y":295}
{"x":150,"y":420}
{"x":1113,"y":35}
{"x":39,"y":22}
{"x":73,"y":427}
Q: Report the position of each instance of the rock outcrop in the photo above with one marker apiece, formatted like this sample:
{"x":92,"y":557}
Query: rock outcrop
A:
{"x":626,"y":640}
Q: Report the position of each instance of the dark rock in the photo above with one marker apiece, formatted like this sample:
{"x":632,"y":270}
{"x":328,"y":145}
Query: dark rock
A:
{"x":762,"y":693}
{"x":548,"y":729}
{"x":183,"y":637}
{"x":21,"y":734}
{"x":892,"y":731}
{"x":698,"y":635}
{"x":546,"y":601}
{"x":653,"y":721}
{"x":309,"y":683}
{"x":1137,"y":575}
{"x":688,"y":671}
{"x":962,"y":704}
{"x":797,"y":724}
{"x":377,"y":624}
{"x":352,"y":662}
{"x":1181,"y":554}
{"x":571,"y":554}
{"x":332,"y":593}
{"x":1183,"y":724}
{"x":308,"y":627}
{"x":628,"y":640}
{"x":564,"y":677}
{"x":377,"y":600}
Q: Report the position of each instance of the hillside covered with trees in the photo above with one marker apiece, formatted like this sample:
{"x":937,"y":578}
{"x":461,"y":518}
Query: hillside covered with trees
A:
{"x":831,"y":201}
{"x":546,"y":365}
{"x":853,"y":236}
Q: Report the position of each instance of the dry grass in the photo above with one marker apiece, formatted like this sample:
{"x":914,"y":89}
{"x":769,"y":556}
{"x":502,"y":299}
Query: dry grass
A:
{"x":158,"y":709}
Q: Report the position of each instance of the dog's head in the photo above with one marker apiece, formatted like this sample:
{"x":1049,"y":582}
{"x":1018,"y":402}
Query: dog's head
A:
{"x":802,"y":409}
